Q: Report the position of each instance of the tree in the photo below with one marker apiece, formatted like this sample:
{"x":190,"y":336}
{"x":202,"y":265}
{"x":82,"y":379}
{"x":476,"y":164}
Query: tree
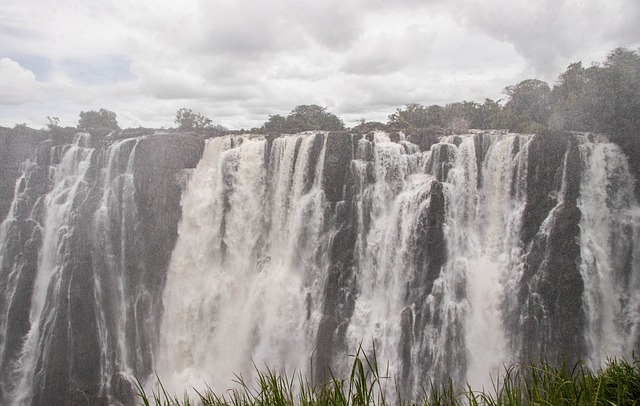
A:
{"x":618,"y":88}
{"x":602,"y":98}
{"x":529,"y":104}
{"x":417,"y":116}
{"x":306,"y":117}
{"x":188,"y":120}
{"x":53,"y":123}
{"x":492,"y":115}
{"x":312,"y":117}
{"x":461,"y":116}
{"x":275,"y":124}
{"x":568,"y":100}
{"x":98,"y":120}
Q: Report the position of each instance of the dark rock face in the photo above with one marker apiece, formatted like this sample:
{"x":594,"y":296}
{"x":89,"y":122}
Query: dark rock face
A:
{"x":544,"y":177}
{"x":114,"y":249}
{"x":70,"y":343}
{"x":430,"y":246}
{"x":19,"y":265}
{"x":15,"y":147}
{"x":425,"y":138}
{"x":67,"y":363}
{"x":442,"y":159}
{"x":339,"y":290}
{"x":156,"y":166}
{"x":336,"y":165}
{"x":550,"y":298}
{"x":429,"y":258}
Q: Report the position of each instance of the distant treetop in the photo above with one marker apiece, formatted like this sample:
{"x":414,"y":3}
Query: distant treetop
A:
{"x":304,"y":118}
{"x":98,"y":120}
{"x":188,"y":120}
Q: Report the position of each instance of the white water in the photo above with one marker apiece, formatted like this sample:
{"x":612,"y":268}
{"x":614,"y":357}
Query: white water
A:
{"x":484,"y":239}
{"x":247,"y":282}
{"x":388,"y":212}
{"x":9,"y":281}
{"x":114,"y":221}
{"x":248,"y":271}
{"x":68,"y":178}
{"x":247,"y":275}
{"x":609,"y":231}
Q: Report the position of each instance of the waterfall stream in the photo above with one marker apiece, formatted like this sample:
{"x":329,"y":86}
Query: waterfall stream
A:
{"x":199,"y":261}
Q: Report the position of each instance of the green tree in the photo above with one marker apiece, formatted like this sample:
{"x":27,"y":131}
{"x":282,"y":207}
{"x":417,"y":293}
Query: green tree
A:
{"x":415,"y":115}
{"x":461,"y":116}
{"x":98,"y":120}
{"x":529,"y":105}
{"x":53,"y":123}
{"x":568,"y":100}
{"x":618,"y":88}
{"x":603,"y":98}
{"x":275,"y":124}
{"x":312,"y":117}
{"x":188,"y":120}
{"x":492,"y":115}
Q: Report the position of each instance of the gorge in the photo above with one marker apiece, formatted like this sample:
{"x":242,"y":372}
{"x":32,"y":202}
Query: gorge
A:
{"x":192,"y":260}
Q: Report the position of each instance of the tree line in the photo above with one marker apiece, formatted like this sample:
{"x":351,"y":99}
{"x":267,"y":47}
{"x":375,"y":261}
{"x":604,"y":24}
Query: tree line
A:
{"x":604,"y":97}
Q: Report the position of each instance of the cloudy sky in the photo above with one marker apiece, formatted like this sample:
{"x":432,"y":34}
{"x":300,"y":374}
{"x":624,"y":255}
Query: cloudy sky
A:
{"x":237,"y":61}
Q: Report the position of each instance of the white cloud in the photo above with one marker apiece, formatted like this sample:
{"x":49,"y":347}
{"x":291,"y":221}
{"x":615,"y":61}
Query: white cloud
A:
{"x":549,"y":34}
{"x":17,"y":84}
{"x":237,"y":61}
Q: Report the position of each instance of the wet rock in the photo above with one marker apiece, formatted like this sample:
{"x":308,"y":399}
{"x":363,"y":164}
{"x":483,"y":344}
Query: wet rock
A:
{"x":336,"y":165}
{"x":16,"y":145}
{"x":546,"y":153}
{"x":551,"y":290}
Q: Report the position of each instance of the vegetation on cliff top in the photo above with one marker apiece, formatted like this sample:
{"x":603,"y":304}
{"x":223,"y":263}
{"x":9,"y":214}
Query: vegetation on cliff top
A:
{"x":603,"y":98}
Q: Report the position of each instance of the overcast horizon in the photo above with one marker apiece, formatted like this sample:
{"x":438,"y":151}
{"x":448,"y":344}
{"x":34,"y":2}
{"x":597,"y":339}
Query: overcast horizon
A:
{"x":237,"y":62}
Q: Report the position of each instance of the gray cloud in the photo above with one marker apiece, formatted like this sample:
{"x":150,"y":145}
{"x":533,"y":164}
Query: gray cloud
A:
{"x":388,"y":52}
{"x":239,"y":61}
{"x":550,"y":33}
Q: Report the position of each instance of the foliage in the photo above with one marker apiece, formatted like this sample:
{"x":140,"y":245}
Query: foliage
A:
{"x":367,"y":126}
{"x":417,"y":116}
{"x":313,"y":117}
{"x":603,"y":98}
{"x":53,"y":123}
{"x":98,"y":120}
{"x":276,"y":124}
{"x":534,"y":384}
{"x":188,"y":120}
{"x":528,"y":104}
{"x":304,"y":118}
{"x":458,"y":117}
{"x":600,"y":98}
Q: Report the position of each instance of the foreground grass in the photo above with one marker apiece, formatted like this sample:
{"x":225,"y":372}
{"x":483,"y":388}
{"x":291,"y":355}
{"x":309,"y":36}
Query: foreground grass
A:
{"x":538,"y":384}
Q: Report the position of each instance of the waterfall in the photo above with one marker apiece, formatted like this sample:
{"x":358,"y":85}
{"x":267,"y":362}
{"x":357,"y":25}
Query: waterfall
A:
{"x":610,"y":251}
{"x":247,"y":251}
{"x":70,"y":186}
{"x":197,"y":261}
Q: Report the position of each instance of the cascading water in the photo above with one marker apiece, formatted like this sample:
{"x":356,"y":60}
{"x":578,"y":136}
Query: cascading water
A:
{"x":70,"y":186}
{"x":291,"y":252}
{"x":250,"y":241}
{"x":76,"y":315}
{"x":442,"y":242}
{"x":610,"y":252}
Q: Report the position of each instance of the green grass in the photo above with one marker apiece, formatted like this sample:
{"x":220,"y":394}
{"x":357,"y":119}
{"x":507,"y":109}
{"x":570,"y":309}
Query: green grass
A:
{"x":617,"y":384}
